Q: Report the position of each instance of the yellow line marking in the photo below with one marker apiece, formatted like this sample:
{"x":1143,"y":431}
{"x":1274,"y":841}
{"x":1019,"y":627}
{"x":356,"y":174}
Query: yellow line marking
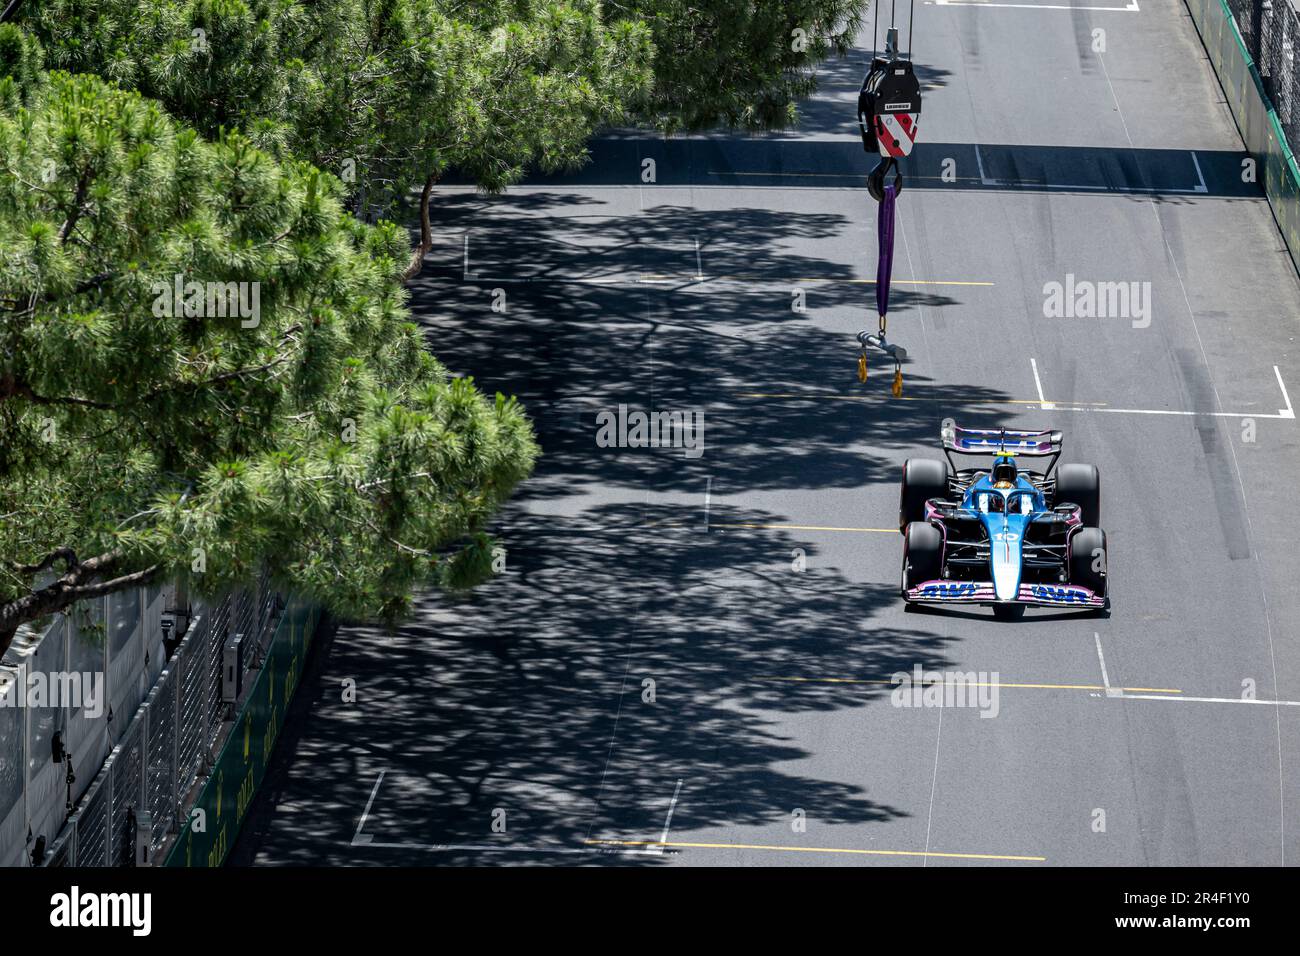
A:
{"x":999,"y":684}
{"x":796,"y":527}
{"x":692,"y":277}
{"x":660,"y":522}
{"x":897,"y":281}
{"x":743,"y":172}
{"x":909,"y":398}
{"x":815,"y":849}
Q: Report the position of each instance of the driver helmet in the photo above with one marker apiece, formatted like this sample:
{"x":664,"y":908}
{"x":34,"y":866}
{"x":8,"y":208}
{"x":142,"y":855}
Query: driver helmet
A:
{"x":1004,"y":473}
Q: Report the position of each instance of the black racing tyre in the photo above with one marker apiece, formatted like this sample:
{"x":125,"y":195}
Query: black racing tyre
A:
{"x":1080,"y":485}
{"x":1088,"y":559}
{"x":922,"y":554}
{"x":923,"y":479}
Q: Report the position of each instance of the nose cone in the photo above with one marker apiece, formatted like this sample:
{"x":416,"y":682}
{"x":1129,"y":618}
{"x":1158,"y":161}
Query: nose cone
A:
{"x":1004,"y":554}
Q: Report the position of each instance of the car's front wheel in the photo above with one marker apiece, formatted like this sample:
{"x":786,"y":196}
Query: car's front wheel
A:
{"x":922,"y":555}
{"x":1088,"y":560}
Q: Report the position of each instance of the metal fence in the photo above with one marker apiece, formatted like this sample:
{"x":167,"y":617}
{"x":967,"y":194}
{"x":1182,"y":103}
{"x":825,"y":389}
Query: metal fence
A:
{"x":132,"y":801}
{"x":1271,"y":32}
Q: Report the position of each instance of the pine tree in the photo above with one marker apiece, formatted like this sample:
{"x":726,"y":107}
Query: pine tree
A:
{"x":206,"y":363}
{"x":207,"y":368}
{"x":386,"y":94}
{"x":740,"y":65}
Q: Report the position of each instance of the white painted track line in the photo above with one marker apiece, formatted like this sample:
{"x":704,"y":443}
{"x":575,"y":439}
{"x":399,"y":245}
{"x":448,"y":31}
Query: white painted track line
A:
{"x":1200,"y":177}
{"x":1287,"y":412}
{"x":658,"y":850}
{"x":1175,"y":411}
{"x":358,"y":837}
{"x":1131,"y":8}
{"x":1214,"y":700}
{"x":668,"y":821}
{"x":1105,"y":678}
{"x":1047,"y":406}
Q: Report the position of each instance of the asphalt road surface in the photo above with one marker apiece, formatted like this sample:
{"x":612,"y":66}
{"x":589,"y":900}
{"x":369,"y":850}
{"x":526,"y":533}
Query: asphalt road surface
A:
{"x":653,"y":681}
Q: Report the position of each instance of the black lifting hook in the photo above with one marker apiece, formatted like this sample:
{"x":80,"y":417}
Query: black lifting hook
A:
{"x":876,"y":178}
{"x":889,"y":108}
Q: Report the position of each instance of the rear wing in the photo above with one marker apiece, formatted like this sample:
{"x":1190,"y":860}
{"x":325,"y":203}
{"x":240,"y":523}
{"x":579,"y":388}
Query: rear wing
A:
{"x":1001,"y":441}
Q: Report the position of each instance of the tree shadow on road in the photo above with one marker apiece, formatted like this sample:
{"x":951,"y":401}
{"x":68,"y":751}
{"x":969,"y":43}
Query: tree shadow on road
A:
{"x":778,"y":389}
{"x":531,"y":695}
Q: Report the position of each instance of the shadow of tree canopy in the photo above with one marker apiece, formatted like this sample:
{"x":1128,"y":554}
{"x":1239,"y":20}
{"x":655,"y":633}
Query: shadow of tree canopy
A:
{"x":571,"y":348}
{"x":527,"y":695}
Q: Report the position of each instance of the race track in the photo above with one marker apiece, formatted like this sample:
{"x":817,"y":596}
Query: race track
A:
{"x":771,"y":738}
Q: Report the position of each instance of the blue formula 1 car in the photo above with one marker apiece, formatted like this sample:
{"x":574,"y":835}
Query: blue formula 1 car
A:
{"x":1002,"y":535}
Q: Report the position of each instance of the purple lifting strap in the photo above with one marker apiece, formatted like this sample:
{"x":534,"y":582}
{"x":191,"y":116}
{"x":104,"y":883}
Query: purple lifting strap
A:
{"x":885,"y":263}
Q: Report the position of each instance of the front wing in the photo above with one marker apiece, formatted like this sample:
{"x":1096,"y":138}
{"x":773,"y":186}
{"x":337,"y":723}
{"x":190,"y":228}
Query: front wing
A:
{"x":981,"y":592}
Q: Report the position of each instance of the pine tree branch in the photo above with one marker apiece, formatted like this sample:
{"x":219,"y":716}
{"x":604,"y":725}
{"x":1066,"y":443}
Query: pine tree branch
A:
{"x":78,"y":206}
{"x":80,"y":583}
{"x":66,"y":555}
{"x":11,"y":387}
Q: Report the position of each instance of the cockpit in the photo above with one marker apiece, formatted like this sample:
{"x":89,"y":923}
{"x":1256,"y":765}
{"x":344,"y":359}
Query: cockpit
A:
{"x":1017,"y":502}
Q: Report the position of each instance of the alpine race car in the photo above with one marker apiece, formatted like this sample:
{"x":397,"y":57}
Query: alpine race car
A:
{"x":1002,"y":535}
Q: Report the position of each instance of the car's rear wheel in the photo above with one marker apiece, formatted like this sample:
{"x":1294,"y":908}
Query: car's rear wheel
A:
{"x":1088,"y":560}
{"x":923,"y":479}
{"x":1080,"y":485}
{"x":922,"y":554}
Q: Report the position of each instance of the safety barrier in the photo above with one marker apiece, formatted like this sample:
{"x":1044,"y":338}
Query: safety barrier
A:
{"x":1256,"y":119}
{"x":129,"y":809}
{"x":118,"y":642}
{"x":213,"y":821}
{"x":1270,"y":30}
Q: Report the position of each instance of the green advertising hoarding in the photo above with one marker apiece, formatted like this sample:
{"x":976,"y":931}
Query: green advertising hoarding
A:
{"x":214,"y":821}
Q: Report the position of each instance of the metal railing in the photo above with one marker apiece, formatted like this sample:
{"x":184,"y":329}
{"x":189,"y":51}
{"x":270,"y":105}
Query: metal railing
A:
{"x":1271,"y":32}
{"x":137,"y":788}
